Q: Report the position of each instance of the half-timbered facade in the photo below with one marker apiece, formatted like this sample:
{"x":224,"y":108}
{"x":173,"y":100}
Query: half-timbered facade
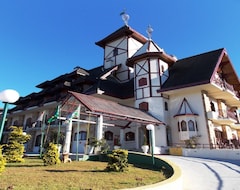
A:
{"x":137,"y":84}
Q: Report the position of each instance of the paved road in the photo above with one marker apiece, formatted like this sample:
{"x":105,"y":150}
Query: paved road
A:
{"x":207,"y":174}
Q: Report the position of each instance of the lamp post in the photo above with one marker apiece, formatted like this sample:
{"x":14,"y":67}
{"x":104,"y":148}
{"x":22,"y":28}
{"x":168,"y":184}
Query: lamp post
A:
{"x":150,"y":127}
{"x":7,"y":96}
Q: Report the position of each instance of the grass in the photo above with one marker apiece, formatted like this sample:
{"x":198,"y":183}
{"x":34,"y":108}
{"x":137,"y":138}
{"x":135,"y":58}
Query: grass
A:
{"x":83,"y":175}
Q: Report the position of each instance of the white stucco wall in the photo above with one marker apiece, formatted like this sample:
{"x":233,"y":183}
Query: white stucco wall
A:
{"x":195,"y":100}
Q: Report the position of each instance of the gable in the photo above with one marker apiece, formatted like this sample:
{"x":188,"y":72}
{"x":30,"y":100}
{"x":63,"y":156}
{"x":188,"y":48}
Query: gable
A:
{"x":192,"y":71}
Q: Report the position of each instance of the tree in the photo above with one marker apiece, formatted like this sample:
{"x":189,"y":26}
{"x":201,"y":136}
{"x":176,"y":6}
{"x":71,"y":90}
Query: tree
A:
{"x":14,"y":150}
{"x":51,"y":156}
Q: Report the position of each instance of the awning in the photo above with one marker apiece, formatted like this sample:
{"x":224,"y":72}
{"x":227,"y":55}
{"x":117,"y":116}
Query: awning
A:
{"x":109,"y":109}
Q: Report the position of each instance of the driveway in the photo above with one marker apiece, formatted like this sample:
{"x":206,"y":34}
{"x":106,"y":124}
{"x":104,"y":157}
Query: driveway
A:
{"x":207,"y":174}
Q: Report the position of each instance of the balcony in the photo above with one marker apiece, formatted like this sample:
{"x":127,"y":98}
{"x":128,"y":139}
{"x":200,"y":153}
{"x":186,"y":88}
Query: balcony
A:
{"x":227,"y":118}
{"x":221,"y":83}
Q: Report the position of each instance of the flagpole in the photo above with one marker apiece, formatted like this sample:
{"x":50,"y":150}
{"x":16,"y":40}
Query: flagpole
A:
{"x":42,"y":135}
{"x":59,"y":128}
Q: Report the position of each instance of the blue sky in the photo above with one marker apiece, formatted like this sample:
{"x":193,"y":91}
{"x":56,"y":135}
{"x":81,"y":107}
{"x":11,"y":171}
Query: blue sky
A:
{"x":42,"y":39}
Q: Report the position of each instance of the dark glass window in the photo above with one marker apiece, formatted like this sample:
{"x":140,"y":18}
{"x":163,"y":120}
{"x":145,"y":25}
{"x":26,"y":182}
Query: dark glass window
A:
{"x":191,"y":125}
{"x":38,"y":140}
{"x":183,"y":126}
{"x":115,"y":52}
{"x":108,"y":135}
{"x":130,"y":136}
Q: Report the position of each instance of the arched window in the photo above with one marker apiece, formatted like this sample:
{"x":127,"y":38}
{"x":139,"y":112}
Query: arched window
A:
{"x":108,"y":135}
{"x":28,"y":123}
{"x":142,"y":82}
{"x":82,"y":136}
{"x":143,"y":106}
{"x":183,"y":126}
{"x":130,"y":136}
{"x":179,"y":129}
{"x":191,"y":125}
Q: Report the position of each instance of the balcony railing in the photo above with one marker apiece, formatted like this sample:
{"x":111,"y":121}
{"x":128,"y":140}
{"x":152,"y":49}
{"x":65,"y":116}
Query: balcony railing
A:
{"x":224,"y":85}
{"x":226,"y":117}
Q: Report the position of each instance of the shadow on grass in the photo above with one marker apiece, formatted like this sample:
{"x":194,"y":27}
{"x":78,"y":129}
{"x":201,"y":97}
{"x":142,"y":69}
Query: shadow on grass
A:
{"x":23,"y":165}
{"x":75,"y":171}
{"x":61,"y":171}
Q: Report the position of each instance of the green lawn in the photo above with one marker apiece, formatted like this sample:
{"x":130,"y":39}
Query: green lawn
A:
{"x":76,"y":175}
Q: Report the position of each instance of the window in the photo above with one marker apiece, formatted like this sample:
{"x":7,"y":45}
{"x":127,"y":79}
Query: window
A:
{"x":212,"y":106}
{"x":191,"y":125}
{"x":143,"y":106}
{"x":166,"y":106}
{"x":178,"y":126}
{"x":183,"y":126}
{"x":82,"y":136}
{"x":130,"y":136}
{"x":142,"y":82}
{"x":38,"y":140}
{"x":115,"y":51}
{"x":108,"y":135}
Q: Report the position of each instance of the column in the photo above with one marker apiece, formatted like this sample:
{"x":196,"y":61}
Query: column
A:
{"x":68,"y":137}
{"x":99,"y":127}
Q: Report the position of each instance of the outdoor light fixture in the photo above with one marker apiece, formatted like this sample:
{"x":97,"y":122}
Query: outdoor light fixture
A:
{"x":7,"y":96}
{"x":150,"y":128}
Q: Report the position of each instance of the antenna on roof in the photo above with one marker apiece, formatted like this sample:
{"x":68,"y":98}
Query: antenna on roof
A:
{"x":125,"y":17}
{"x":149,"y":32}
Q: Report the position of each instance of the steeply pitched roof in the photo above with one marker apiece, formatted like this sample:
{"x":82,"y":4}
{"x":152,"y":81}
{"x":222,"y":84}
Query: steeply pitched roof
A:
{"x":192,"y":71}
{"x":150,"y":50}
{"x":113,"y":109}
{"x":121,"y":32}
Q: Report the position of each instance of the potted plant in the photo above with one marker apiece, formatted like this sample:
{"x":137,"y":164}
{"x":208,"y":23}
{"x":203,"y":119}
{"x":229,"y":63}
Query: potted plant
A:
{"x":145,"y":146}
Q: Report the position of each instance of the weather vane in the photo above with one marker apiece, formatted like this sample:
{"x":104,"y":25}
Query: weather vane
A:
{"x":125,"y":17}
{"x":149,"y":32}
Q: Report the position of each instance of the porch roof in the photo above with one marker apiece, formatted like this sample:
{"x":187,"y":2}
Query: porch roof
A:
{"x":114,"y":110}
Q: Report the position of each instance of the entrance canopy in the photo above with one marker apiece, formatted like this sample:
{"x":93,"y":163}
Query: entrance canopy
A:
{"x":113,"y":112}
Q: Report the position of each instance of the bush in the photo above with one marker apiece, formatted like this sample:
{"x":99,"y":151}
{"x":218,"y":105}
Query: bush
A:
{"x":118,"y":161}
{"x":2,"y":161}
{"x":51,"y":155}
{"x":14,"y":150}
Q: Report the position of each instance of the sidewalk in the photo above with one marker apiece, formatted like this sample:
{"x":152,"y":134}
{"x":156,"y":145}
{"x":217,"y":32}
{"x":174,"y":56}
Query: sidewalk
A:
{"x":207,"y":174}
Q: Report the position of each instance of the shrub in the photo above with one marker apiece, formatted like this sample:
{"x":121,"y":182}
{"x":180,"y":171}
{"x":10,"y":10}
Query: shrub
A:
{"x":51,"y":155}
{"x":2,"y":161}
{"x":118,"y":161}
{"x":14,"y":150}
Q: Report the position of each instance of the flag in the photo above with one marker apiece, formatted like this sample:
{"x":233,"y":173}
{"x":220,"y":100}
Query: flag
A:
{"x":75,"y":114}
{"x":55,"y":116}
{"x":40,"y":118}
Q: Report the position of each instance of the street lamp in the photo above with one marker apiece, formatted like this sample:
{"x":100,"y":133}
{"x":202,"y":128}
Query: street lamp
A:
{"x":7,"y":96}
{"x":150,"y":128}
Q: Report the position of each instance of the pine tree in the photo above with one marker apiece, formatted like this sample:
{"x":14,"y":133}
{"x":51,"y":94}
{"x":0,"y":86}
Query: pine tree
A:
{"x":14,"y":150}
